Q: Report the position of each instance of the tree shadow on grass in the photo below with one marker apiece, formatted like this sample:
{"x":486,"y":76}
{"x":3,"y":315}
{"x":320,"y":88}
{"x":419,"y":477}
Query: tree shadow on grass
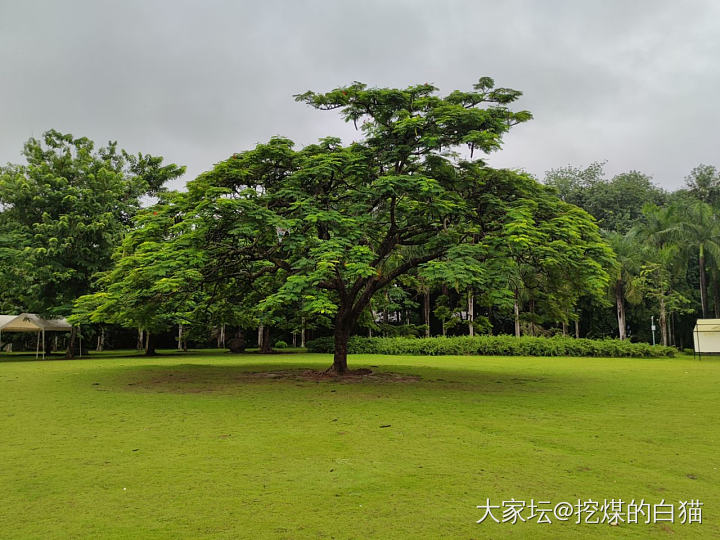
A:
{"x":204,"y":378}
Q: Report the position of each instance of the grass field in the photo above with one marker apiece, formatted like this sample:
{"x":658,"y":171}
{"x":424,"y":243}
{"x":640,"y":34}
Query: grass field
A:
{"x":196,"y":446}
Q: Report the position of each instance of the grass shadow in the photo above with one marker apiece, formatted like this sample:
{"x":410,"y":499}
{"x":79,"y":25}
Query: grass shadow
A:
{"x":208,"y":378}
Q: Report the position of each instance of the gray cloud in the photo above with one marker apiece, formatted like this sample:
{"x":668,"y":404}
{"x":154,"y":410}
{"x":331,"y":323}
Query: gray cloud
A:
{"x":633,"y":83}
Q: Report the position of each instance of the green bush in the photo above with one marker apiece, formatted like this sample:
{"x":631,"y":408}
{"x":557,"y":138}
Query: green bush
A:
{"x":495,"y":346}
{"x":280,"y":344}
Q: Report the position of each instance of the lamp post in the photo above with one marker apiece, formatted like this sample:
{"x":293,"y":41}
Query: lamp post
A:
{"x":652,"y":327}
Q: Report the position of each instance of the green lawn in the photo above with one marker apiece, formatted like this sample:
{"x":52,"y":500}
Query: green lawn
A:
{"x":193,"y":446}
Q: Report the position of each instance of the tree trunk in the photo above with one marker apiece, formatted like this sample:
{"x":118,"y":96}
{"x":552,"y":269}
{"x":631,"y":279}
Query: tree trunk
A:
{"x":564,"y":329}
{"x":344,"y":325}
{"x":532,"y":315}
{"x":577,"y":328}
{"x":671,"y":329}
{"x":302,"y":334}
{"x":715,"y":292}
{"x":265,"y":347}
{"x":342,"y":335}
{"x":471,"y":313}
{"x":426,"y":312}
{"x":703,"y":283}
{"x":517,"y":314}
{"x":221,"y":337}
{"x":140,"y":341}
{"x":101,"y":340}
{"x":663,"y":322}
{"x":150,"y":344}
{"x":237,"y":343}
{"x":180,"y":337}
{"x":70,"y":352}
{"x":620,"y":304}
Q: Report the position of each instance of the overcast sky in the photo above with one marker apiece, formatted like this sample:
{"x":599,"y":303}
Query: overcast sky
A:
{"x":636,"y":83}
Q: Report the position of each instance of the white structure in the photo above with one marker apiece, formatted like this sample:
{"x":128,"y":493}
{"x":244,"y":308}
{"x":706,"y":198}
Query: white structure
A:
{"x":706,"y":336}
{"x":29,"y":322}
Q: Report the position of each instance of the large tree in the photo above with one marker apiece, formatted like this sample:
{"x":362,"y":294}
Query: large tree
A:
{"x":63,"y":213}
{"x":328,"y":227}
{"x":333,"y":224}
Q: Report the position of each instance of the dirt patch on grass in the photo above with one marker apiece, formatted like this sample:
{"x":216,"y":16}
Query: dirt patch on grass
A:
{"x":352,"y":376}
{"x":206,"y":379}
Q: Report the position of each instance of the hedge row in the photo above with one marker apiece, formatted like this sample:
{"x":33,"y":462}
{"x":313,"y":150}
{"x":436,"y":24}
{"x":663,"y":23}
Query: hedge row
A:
{"x":495,"y":346}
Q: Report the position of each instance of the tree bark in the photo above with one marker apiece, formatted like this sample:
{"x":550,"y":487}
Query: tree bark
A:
{"x":516,"y":308}
{"x":302,"y":334}
{"x":620,"y":304}
{"x":180,"y":337}
{"x":141,"y":340}
{"x":426,"y":312}
{"x":703,"y":283}
{"x":70,"y":352}
{"x":577,"y":328}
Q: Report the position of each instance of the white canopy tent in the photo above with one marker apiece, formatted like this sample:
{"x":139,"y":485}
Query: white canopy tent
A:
{"x":707,"y":336}
{"x":29,"y":322}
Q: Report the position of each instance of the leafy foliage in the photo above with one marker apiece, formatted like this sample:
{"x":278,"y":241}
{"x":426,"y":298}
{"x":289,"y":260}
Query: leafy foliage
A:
{"x":63,"y":213}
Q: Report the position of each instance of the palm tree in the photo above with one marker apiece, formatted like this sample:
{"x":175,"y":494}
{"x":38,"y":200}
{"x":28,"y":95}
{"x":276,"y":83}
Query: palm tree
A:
{"x":697,"y":227}
{"x":630,"y":257}
{"x":661,"y":258}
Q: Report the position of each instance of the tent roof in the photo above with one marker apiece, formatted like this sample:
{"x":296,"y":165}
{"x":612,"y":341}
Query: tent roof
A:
{"x":29,"y":322}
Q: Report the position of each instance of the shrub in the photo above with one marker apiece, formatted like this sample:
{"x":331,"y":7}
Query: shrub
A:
{"x":280,"y":344}
{"x":321,"y":345}
{"x":495,"y":346}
